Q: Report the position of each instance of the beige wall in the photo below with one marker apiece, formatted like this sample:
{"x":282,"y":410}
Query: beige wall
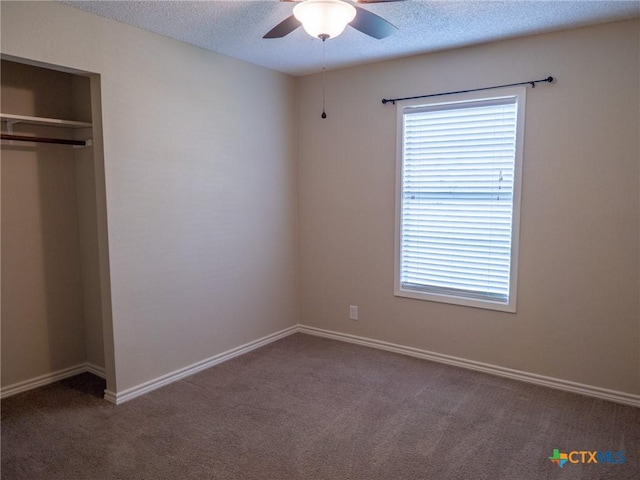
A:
{"x":88,"y":221}
{"x":200,"y":187}
{"x":578,"y":314}
{"x":42,"y":296}
{"x":201,"y":179}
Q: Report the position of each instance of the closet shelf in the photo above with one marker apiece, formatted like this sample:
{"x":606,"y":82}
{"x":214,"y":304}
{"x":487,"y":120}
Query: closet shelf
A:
{"x":50,"y":122}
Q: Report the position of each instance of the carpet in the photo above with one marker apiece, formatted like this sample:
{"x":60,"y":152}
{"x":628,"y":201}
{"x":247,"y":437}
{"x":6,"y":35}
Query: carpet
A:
{"x":311,"y":408}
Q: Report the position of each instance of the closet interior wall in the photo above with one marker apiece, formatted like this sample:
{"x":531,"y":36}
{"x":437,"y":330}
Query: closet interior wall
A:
{"x":51,"y":296}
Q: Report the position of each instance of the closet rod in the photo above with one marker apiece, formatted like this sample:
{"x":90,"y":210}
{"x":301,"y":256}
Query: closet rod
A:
{"x":60,"y":141}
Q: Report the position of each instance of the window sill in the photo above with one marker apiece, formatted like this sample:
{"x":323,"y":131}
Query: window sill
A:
{"x":454,"y":300}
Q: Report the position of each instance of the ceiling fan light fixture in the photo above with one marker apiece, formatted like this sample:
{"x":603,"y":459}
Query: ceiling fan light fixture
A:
{"x":324,"y":18}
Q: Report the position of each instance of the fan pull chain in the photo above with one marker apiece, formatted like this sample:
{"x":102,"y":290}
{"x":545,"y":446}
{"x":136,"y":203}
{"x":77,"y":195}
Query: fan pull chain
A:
{"x":324,"y":38}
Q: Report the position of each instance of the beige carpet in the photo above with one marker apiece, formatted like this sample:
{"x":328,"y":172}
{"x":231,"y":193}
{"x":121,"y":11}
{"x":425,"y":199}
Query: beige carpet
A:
{"x":311,"y":408}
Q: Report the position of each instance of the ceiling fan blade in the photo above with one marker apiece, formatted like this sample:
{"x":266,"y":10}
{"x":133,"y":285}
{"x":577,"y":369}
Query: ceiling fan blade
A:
{"x":284,"y":28}
{"x":372,"y":25}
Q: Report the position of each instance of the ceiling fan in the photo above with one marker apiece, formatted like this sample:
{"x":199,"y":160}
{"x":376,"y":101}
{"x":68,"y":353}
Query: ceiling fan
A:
{"x":328,"y":18}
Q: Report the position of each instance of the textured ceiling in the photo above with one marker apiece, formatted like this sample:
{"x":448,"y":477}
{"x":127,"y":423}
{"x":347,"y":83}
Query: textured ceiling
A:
{"x":235,"y":28}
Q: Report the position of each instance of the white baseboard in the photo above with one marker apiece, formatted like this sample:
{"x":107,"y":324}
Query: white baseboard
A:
{"x":96,"y":370}
{"x":52,"y":377}
{"x":146,"y":387}
{"x":138,"y":390}
{"x":559,"y":384}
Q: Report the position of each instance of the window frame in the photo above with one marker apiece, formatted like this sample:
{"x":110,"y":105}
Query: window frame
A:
{"x":519,"y":93}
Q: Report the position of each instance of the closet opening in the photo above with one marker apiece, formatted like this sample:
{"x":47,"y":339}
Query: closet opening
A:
{"x":55,"y":288}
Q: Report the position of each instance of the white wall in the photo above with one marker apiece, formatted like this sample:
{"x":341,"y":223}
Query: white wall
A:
{"x":578,"y":314}
{"x":199,"y":160}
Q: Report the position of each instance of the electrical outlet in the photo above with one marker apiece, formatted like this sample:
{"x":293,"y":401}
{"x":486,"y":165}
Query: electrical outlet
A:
{"x":353,"y":312}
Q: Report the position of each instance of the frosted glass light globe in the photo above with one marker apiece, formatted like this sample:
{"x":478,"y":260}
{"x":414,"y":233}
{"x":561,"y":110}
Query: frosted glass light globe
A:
{"x":324,"y":18}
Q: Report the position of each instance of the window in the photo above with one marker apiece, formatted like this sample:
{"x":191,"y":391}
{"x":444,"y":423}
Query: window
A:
{"x":458,"y":199}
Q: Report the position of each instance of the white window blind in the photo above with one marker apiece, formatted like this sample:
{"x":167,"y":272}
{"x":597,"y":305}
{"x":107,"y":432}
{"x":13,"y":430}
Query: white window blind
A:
{"x":458,"y":177}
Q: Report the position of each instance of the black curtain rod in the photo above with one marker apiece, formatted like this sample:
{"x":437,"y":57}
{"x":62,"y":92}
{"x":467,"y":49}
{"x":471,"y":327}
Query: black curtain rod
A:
{"x":60,"y":141}
{"x":531,"y":82}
